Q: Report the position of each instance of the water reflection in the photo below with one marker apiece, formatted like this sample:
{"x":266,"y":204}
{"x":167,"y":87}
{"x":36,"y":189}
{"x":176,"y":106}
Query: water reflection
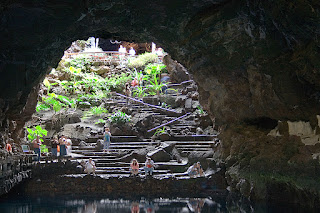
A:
{"x":95,"y":205}
{"x":46,"y":204}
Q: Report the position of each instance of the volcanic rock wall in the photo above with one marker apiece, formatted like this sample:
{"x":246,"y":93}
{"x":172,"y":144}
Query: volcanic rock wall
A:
{"x":255,"y":62}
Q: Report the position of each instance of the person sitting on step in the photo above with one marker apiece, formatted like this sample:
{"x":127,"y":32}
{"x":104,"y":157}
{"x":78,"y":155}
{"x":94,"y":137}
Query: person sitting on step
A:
{"x":149,"y":166}
{"x":90,"y":167}
{"x":195,"y":170}
{"x":134,"y":167}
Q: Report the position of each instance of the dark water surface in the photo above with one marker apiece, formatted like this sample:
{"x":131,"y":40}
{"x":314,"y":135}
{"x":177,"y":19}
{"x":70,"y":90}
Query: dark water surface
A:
{"x":85,"y":204}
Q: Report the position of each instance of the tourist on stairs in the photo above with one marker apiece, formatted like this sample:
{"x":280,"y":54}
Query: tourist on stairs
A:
{"x":149,"y":166}
{"x":134,"y":167}
{"x":62,"y":142}
{"x":54,"y":146}
{"x":195,"y":170}
{"x":68,"y":146}
{"x":36,"y":146}
{"x":127,"y":92}
{"x":9,"y":147}
{"x":106,"y":139}
{"x":90,"y":167}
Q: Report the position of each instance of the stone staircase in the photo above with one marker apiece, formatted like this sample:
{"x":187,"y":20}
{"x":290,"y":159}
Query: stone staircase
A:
{"x":117,"y":162}
{"x":123,"y":148}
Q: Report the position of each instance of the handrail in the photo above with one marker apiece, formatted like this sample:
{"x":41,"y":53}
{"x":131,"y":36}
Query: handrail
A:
{"x":154,"y":106}
{"x":157,"y":127}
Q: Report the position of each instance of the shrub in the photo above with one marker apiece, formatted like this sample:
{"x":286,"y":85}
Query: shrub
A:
{"x":117,"y":82}
{"x":37,"y":131}
{"x":119,"y":118}
{"x":95,"y":111}
{"x":142,"y":60}
{"x":82,"y":62}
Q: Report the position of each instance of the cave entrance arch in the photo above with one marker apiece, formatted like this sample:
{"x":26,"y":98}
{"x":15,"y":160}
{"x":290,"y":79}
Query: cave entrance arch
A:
{"x":68,"y":88}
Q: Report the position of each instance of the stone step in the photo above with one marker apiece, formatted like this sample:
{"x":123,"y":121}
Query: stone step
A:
{"x":113,"y":138}
{"x":115,"y":150}
{"x":145,"y":144}
{"x":126,"y":171}
{"x":95,"y":157}
{"x":77,"y":149}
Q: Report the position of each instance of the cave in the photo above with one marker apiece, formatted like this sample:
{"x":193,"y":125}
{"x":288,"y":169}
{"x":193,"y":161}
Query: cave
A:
{"x":255,"y":64}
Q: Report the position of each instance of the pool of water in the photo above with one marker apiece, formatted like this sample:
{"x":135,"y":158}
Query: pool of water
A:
{"x":88,"y":204}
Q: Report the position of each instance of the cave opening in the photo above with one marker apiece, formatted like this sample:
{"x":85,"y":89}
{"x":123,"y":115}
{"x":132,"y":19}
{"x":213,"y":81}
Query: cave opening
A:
{"x":87,"y":92}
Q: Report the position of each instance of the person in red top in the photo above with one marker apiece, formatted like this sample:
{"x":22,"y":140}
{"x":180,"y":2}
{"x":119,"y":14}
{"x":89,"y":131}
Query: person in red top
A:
{"x":134,"y":167}
{"x":135,"y":82}
{"x":9,"y":147}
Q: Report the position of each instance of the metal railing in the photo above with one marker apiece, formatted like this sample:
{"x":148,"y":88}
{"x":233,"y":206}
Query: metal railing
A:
{"x":150,"y":105}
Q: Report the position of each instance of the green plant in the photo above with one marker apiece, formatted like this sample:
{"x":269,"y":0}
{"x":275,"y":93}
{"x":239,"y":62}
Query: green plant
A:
{"x":119,"y":118}
{"x":55,"y":102}
{"x":117,"y":82}
{"x":95,"y":111}
{"x":44,"y":148}
{"x":165,"y":105}
{"x":139,"y":92}
{"x":143,"y":60}
{"x":160,"y":131}
{"x":37,"y":131}
{"x":101,"y":121}
{"x":82,"y":62}
{"x":200,"y":110}
{"x":155,"y":85}
{"x":152,"y":69}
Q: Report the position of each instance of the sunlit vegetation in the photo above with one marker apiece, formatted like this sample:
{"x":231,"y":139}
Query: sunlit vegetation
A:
{"x":76,"y":84}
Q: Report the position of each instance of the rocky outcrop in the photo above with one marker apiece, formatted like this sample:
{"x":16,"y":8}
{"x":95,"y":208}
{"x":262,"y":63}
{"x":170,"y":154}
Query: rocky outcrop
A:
{"x":14,"y":169}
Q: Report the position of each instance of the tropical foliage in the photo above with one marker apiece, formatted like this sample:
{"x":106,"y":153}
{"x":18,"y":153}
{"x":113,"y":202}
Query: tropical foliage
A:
{"x":119,"y":118}
{"x":36,"y":131}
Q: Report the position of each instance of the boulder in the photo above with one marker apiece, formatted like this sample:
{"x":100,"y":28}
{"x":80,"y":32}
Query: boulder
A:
{"x":180,"y":100}
{"x":100,"y":70}
{"x":99,"y":145}
{"x":154,"y":100}
{"x":168,"y":147}
{"x":83,"y":144}
{"x":188,"y":104}
{"x":159,"y":155}
{"x":164,"y":136}
{"x":199,"y":131}
{"x":177,"y":72}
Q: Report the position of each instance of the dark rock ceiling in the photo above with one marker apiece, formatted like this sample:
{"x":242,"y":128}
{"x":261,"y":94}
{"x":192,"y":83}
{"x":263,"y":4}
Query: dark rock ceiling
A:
{"x":251,"y":58}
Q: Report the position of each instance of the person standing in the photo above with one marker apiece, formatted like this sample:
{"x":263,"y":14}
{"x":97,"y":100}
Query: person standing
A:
{"x":106,"y":139}
{"x":127,"y":91}
{"x":36,"y":147}
{"x":132,"y":52}
{"x":62,"y":142}
{"x":54,"y":146}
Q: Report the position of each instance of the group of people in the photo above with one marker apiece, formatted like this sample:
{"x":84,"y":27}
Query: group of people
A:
{"x":148,"y":167}
{"x":63,"y":145}
{"x":90,"y":167}
{"x":122,"y":50}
